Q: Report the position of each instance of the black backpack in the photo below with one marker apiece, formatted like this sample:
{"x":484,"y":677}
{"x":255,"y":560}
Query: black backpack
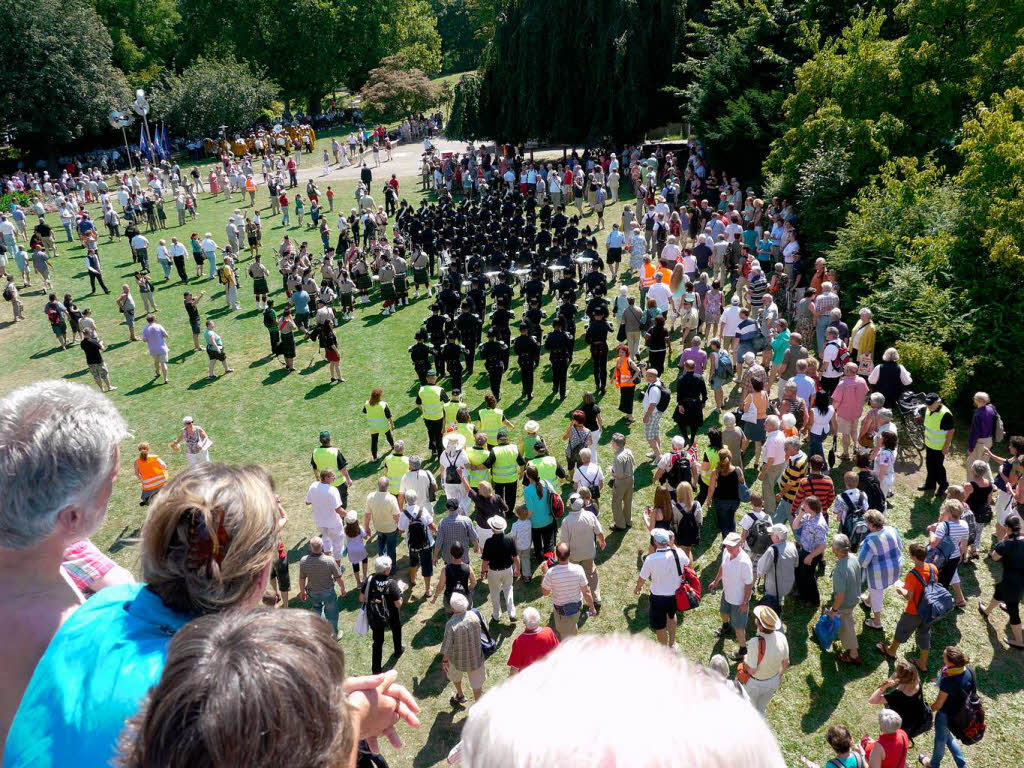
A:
{"x":688,"y":529}
{"x":377,"y":612}
{"x":8,"y":293}
{"x":417,"y":534}
{"x":855,"y":528}
{"x":664,"y":397}
{"x":679,"y":470}
{"x":759,"y":537}
{"x":868,"y":484}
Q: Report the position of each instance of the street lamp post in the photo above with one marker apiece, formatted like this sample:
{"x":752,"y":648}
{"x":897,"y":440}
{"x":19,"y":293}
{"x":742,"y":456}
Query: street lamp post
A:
{"x":122,"y":120}
{"x":141,"y":107}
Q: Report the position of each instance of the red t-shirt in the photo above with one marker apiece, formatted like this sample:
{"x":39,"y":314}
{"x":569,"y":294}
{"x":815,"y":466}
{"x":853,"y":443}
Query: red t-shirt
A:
{"x":532,"y":646}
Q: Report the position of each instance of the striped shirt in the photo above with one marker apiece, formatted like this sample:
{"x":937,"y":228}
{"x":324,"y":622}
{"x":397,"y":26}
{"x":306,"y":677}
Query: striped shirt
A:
{"x":958,"y":531}
{"x":825,"y":303}
{"x":815,"y":485}
{"x":564,"y":581}
{"x":795,"y":471}
{"x":881,"y":557}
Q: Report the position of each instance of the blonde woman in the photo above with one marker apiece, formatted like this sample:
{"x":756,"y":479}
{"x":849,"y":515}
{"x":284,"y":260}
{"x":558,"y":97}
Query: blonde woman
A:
{"x":208,"y":545}
{"x":687,"y":510}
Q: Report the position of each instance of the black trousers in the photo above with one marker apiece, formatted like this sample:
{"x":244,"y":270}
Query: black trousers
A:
{"x":395,"y":625}
{"x":543,"y":541}
{"x":934,"y":462}
{"x":435,"y":428}
{"x":656,"y":360}
{"x":559,"y":372}
{"x":599,"y":357}
{"x":97,"y":277}
{"x":507,"y":491}
{"x":494,"y":374}
{"x":275,"y":339}
{"x":421,"y":373}
{"x":626,"y":400}
{"x":438,"y":361}
{"x":374,"y":439}
{"x":470,"y":357}
{"x":807,"y":580}
{"x":455,"y":372}
{"x":526,"y":374}
{"x":179,"y":264}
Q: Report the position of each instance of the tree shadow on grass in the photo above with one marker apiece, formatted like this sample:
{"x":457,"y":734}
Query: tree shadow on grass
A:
{"x":923,"y":512}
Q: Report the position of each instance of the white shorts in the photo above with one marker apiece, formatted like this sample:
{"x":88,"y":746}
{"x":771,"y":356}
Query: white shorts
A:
{"x":1004,"y":507}
{"x":161,"y":358}
{"x":847,"y":426}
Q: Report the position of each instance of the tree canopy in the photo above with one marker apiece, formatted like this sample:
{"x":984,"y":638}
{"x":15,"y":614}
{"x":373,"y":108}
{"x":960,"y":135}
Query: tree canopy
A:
{"x":393,"y":91}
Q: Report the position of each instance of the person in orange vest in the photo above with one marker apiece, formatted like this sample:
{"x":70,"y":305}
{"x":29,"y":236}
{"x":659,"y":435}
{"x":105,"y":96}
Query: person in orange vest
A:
{"x":648,"y":277}
{"x":152,"y":473}
{"x":625,"y":375}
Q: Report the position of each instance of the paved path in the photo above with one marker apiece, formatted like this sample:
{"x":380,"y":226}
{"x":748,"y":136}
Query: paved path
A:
{"x":406,"y":162}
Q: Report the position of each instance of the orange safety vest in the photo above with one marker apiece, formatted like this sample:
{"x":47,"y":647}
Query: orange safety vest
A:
{"x":648,"y":276}
{"x":153,"y":474}
{"x":623,"y":376}
{"x":665,"y":275}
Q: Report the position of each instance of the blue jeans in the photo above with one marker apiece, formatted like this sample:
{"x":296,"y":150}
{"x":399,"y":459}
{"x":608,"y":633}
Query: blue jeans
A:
{"x":782,"y":512}
{"x":211,"y":259}
{"x":820,"y":326}
{"x":725,"y":515}
{"x":817,"y":446}
{"x":387,"y":544}
{"x":943,"y":739}
{"x":166,"y":266}
{"x":67,"y":231}
{"x":326,"y":604}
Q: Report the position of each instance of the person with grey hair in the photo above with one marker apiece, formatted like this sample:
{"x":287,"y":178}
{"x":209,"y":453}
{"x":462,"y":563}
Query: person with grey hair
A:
{"x":417,"y":523}
{"x":58,"y":456}
{"x":720,"y":666}
{"x":383,"y":599}
{"x":383,"y":511}
{"x":831,"y":361}
{"x":846,"y":580}
{"x":892,"y":741}
{"x":778,"y":567}
{"x":722,"y":732}
{"x":534,"y":643}
{"x":622,"y":483}
{"x":773,"y":454}
{"x":417,"y":480}
{"x":890,"y":378}
{"x":461,"y":651}
{"x":984,"y":425}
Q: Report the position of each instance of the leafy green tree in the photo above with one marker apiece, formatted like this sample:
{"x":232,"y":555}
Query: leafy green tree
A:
{"x":464,"y":118}
{"x":394,"y":91}
{"x":60,"y":81}
{"x":144,"y":33}
{"x":460,"y":45}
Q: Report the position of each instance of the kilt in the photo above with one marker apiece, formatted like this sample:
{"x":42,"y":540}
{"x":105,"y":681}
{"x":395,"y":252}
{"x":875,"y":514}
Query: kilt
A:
{"x":259,"y":286}
{"x":346,"y":300}
{"x":420,"y":277}
{"x":387,"y":291}
{"x":364,"y":282}
{"x":401,"y":284}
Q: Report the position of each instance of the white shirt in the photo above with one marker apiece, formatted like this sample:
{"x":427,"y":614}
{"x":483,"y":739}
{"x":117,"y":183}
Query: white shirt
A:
{"x":737,"y":573}
{"x":419,"y":481}
{"x":730,"y":320}
{"x":424,"y":512}
{"x":652,"y":396}
{"x":178,"y":249}
{"x":661,"y":294}
{"x":822,"y":422}
{"x":522,"y":532}
{"x":589,"y":477}
{"x":564,"y":582}
{"x":325,"y":500}
{"x":850,"y":498}
{"x":139,"y":242}
{"x":459,"y":460}
{"x":660,"y":568}
{"x":774,"y":448}
{"x":6,"y":228}
{"x":776,"y":651}
{"x":671,"y":252}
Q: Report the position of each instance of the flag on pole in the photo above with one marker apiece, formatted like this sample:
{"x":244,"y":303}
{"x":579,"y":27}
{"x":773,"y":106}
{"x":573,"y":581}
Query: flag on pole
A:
{"x":142,"y":140}
{"x":166,"y":145}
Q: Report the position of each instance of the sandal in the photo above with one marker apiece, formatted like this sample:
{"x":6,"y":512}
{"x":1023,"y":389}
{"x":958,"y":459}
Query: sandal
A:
{"x":457,"y":701}
{"x":884,"y":650}
{"x":982,"y":611}
{"x":870,"y":625}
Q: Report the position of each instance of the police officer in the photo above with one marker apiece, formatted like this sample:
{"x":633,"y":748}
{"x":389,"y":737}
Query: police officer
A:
{"x":527,"y":349}
{"x":494,"y":353}
{"x":597,"y":338}
{"x":420,"y":353}
{"x":559,"y":346}
{"x":469,"y":326}
{"x":436,"y":327}
{"x":453,"y":353}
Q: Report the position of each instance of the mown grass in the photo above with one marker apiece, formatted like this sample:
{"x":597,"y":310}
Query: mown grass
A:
{"x":262,"y":414}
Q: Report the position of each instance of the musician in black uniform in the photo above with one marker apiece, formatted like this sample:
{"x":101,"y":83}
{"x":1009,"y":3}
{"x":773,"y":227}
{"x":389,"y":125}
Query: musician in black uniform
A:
{"x":436,"y":327}
{"x":594,"y":282}
{"x":597,"y":338}
{"x":453,"y":353}
{"x":500,"y":319}
{"x":494,"y":353}
{"x":420,"y":353}
{"x":533,"y":317}
{"x":533,"y":289}
{"x":559,"y":346}
{"x":469,"y":325}
{"x":691,"y":394}
{"x":527,"y":350}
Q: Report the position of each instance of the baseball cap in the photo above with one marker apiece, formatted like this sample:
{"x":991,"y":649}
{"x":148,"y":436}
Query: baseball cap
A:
{"x":325,"y":435}
{"x":931,"y":398}
{"x":660,"y":535}
{"x":732,"y":540}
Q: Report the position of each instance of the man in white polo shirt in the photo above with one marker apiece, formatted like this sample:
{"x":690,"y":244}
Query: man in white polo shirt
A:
{"x":664,"y":568}
{"x":328,"y":513}
{"x":773,"y":461}
{"x":566,"y":583}
{"x":736,"y":575}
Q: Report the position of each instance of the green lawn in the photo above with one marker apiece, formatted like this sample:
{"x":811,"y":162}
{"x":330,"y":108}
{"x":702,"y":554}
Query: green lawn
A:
{"x":262,"y":414}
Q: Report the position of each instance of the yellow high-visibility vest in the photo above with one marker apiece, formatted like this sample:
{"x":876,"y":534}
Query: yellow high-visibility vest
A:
{"x":430,"y":397}
{"x":376,"y":418}
{"x":934,"y":437}
{"x":547,"y":468}
{"x":505,"y":469}
{"x":490,"y":422}
{"x":396,"y":467}
{"x":477,"y":456}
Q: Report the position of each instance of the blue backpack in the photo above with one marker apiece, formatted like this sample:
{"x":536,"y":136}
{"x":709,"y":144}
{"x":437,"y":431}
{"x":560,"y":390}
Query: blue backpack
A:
{"x":826,"y":630}
{"x":935,"y":601}
{"x":725,"y":369}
